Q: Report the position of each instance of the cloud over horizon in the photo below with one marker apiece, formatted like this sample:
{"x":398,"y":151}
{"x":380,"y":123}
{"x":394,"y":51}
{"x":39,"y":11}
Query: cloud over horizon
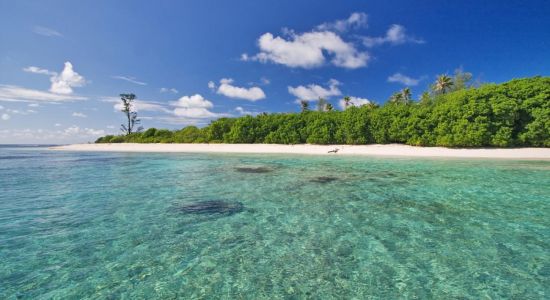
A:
{"x":403,"y":79}
{"x":313,"y":92}
{"x":227,"y":89}
{"x":395,"y":35}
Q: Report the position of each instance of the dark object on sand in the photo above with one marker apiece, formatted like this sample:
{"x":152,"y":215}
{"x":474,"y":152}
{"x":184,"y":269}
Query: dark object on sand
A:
{"x":334,"y":151}
{"x":213,"y":207}
{"x":324,"y":179}
{"x":253,"y":169}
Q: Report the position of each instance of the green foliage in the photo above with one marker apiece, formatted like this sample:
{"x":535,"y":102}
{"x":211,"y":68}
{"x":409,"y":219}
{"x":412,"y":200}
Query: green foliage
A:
{"x":516,"y":113}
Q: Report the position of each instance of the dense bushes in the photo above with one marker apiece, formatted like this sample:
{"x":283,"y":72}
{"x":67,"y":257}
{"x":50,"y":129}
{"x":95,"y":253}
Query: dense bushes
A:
{"x":516,"y":113}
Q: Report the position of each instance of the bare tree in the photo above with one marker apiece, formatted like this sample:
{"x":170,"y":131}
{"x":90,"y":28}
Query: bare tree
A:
{"x":131,"y":114}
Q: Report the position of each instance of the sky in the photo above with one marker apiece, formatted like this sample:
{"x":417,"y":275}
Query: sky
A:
{"x":64,"y":63}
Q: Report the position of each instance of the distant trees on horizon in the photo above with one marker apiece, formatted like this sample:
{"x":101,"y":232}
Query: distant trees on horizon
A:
{"x":453,"y":114}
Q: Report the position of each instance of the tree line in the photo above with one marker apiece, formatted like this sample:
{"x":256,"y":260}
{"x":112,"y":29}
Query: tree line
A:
{"x":453,"y":114}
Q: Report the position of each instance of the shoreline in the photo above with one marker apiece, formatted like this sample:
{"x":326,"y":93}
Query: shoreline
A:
{"x":388,"y":150}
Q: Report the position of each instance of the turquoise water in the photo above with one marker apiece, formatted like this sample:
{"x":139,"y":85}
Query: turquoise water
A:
{"x":111,"y":225}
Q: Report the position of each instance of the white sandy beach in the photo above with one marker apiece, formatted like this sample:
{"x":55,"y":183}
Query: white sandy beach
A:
{"x":369,"y":150}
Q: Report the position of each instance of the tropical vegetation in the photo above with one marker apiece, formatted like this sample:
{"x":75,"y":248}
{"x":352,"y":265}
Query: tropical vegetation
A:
{"x":453,"y":114}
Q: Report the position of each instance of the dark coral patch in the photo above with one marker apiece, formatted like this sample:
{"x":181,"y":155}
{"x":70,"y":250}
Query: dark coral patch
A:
{"x":253,"y":169}
{"x":212,"y":207}
{"x":324,"y":179}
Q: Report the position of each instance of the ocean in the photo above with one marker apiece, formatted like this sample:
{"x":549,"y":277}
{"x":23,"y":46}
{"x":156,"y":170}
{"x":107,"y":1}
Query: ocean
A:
{"x":84,"y":225}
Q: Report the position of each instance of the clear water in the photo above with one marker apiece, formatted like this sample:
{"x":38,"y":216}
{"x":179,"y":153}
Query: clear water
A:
{"x":108,"y":225}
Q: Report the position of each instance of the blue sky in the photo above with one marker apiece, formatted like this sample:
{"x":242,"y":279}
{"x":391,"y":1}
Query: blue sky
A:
{"x":63,"y":63}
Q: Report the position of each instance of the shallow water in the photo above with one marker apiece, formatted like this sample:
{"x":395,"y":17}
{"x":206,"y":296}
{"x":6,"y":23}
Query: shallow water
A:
{"x":110,"y":225}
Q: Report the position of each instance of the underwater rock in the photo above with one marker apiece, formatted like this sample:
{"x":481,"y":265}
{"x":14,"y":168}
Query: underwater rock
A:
{"x":253,"y":169}
{"x":213,"y":207}
{"x":324,"y":179}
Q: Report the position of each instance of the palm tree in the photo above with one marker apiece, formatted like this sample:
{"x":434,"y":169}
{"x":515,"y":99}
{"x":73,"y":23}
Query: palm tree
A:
{"x":425,"y":99}
{"x":304,"y":105}
{"x":397,"y":98}
{"x":442,"y":84}
{"x":329,"y":107}
{"x":406,"y":95}
{"x":347,"y":102}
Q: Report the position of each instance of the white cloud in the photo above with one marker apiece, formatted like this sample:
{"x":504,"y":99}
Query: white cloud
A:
{"x":195,"y":101}
{"x":211,"y":85}
{"x":79,"y":115}
{"x":137,"y":105}
{"x":403,"y":79}
{"x":355,"y":20}
{"x":129,"y":79}
{"x":313,"y":92}
{"x":395,"y":35}
{"x":171,"y":90}
{"x":73,"y":134}
{"x":75,"y":130}
{"x":227,"y":89}
{"x":265,"y":81}
{"x":64,"y":82}
{"x":34,"y":105}
{"x":354,"y":101}
{"x":308,"y":50}
{"x":242,"y":111}
{"x":1,"y":107}
{"x":5,"y":117}
{"x":194,"y":107}
{"x":38,"y":70}
{"x":57,"y":124}
{"x":20,"y":112}
{"x":14,"y":93}
{"x":45,"y":31}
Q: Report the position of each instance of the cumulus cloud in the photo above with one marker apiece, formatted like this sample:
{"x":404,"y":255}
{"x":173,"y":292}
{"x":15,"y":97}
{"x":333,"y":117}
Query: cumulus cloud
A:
{"x":45,"y":31}
{"x":129,"y":79}
{"x":355,"y":20}
{"x":14,"y":93}
{"x":61,"y":84}
{"x":195,"y":101}
{"x":211,"y":85}
{"x":354,"y":101}
{"x":79,"y":115}
{"x":5,"y":117}
{"x":313,"y":92}
{"x":308,"y":50}
{"x":403,"y":79}
{"x":227,"y":89}
{"x":194,"y":107}
{"x":395,"y":35}
{"x":64,"y":82}
{"x":171,"y":90}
